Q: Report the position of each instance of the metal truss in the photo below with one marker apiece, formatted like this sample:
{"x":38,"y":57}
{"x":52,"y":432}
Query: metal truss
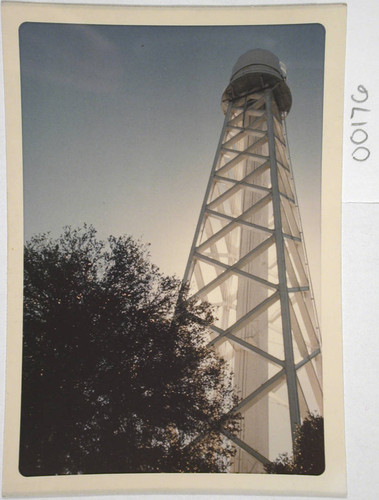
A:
{"x":248,"y":259}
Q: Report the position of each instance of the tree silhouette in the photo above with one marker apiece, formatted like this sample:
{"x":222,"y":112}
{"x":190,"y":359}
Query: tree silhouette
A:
{"x":308,"y":457}
{"x":111,"y":382}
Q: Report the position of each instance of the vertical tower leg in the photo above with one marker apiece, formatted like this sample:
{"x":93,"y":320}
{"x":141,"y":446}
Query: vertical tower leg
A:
{"x":293,"y":397}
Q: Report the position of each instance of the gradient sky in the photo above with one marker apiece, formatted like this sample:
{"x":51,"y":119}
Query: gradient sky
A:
{"x":121,"y":124}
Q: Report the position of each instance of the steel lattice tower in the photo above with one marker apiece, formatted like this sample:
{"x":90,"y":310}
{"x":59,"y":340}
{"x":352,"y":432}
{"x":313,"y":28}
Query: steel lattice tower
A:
{"x":248,"y":259}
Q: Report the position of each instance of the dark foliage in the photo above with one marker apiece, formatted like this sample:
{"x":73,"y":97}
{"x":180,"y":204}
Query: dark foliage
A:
{"x":111,"y":383}
{"x":308,"y":457}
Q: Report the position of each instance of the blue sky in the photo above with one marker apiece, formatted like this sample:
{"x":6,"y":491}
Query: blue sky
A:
{"x":121,"y":124}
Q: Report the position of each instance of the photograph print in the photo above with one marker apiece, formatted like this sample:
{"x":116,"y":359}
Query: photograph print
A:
{"x":172,"y":211}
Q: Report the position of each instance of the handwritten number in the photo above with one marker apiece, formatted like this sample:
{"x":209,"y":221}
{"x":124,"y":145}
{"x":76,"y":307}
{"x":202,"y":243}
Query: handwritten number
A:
{"x":361,"y":150}
{"x":359,"y":135}
{"x":362,"y":90}
{"x":356,"y":132}
{"x":353,"y":110}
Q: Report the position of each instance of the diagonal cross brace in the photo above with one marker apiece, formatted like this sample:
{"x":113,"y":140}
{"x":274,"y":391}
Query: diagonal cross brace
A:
{"x":215,"y":262}
{"x":240,"y":323}
{"x":261,"y":391}
{"x":230,"y":270}
{"x":234,"y":222}
{"x":242,"y":134}
{"x":253,"y":348}
{"x":235,"y":188}
{"x":251,"y":451}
